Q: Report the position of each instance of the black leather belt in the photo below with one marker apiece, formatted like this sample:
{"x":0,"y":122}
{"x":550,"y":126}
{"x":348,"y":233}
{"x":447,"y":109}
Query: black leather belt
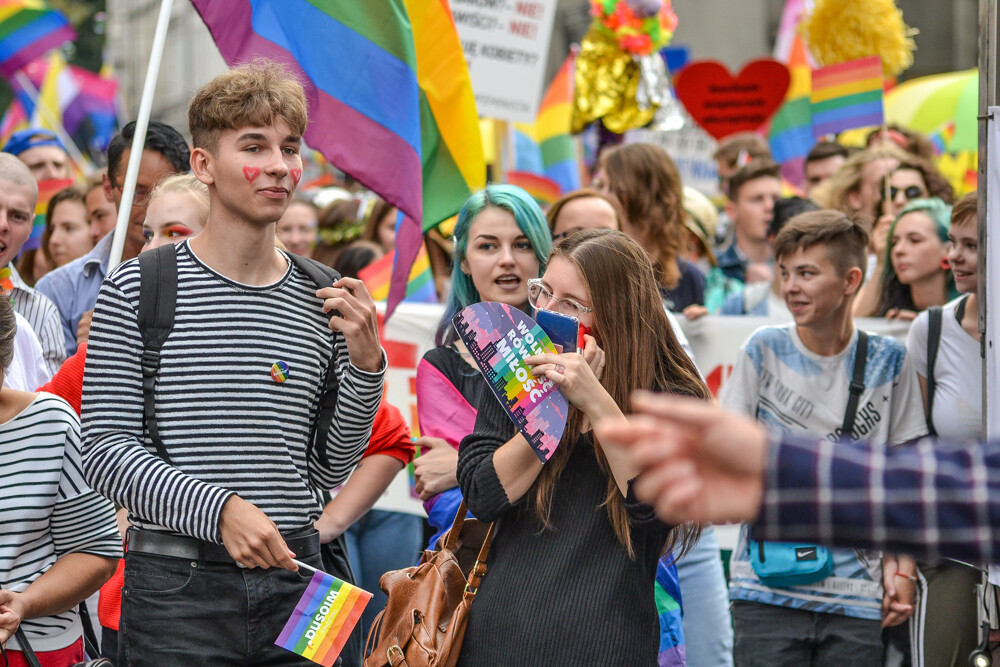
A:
{"x":303,"y":543}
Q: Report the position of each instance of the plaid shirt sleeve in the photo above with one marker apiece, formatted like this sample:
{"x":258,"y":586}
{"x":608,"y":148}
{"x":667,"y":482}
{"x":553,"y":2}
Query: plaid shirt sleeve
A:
{"x":929,"y":499}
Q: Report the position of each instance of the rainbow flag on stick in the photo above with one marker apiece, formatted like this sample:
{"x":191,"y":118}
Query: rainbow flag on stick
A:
{"x":29,"y":28}
{"x":847,"y":95}
{"x":323,"y":619}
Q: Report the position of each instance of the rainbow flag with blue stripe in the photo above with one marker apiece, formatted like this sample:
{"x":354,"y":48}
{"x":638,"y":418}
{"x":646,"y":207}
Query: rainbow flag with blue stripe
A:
{"x":390,"y":100}
{"x":323,"y":619}
{"x":419,"y":287}
{"x":28,"y":29}
{"x":847,"y":95}
{"x":46,"y":190}
{"x":546,"y":147}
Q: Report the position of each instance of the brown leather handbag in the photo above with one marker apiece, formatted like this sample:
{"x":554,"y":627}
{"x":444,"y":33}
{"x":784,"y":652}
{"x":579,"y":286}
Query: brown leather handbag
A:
{"x":424,"y":621}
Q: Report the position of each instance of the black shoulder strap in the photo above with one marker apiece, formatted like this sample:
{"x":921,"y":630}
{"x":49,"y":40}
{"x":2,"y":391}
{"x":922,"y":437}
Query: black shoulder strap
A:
{"x":935,"y":317}
{"x":323,"y":276}
{"x":857,"y":386}
{"x":157,"y":300}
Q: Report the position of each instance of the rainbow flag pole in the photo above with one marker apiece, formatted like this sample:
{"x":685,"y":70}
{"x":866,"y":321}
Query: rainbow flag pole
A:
{"x":323,"y":619}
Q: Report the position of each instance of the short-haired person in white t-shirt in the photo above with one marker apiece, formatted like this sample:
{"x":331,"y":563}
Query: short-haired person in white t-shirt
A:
{"x":796,"y":378}
{"x":947,"y":604}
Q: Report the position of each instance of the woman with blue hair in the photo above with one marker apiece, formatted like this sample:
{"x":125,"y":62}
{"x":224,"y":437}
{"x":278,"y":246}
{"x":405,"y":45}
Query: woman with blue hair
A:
{"x":501,"y":241}
{"x":917,"y":274}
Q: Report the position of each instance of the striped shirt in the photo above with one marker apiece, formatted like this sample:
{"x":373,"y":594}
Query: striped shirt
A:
{"x":47,"y":510}
{"x":43,"y":316}
{"x":228,"y":426}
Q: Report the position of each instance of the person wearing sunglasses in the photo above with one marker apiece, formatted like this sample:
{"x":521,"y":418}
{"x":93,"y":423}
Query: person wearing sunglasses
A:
{"x":913,"y":178}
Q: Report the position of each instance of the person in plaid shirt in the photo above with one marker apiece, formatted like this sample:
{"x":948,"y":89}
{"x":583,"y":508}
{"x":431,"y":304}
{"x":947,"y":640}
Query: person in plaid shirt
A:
{"x":702,"y":463}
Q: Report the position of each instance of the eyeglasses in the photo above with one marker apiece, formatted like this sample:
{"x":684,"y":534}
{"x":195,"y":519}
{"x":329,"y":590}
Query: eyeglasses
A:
{"x":141,"y":197}
{"x":539,"y":296}
{"x":910,"y":192}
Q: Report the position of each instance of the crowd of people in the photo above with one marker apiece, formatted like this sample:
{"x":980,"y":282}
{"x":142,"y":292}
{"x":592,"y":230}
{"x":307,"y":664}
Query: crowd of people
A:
{"x":210,"y":408}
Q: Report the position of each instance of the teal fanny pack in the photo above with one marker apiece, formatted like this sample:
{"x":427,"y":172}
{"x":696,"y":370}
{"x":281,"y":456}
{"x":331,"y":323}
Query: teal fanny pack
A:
{"x":783,"y":564}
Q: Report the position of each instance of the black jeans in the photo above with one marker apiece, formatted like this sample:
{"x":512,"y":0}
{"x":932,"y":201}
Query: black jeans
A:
{"x":183,"y":612}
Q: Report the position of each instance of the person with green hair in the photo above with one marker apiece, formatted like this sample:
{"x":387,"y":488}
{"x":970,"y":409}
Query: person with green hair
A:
{"x":917,"y":274}
{"x":501,"y":240}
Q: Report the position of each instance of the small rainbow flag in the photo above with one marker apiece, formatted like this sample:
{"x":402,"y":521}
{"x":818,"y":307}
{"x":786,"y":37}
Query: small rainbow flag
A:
{"x":323,"y":619}
{"x":543,"y":189}
{"x":847,"y":95}
{"x":46,"y":189}
{"x":941,"y":137}
{"x":419,"y":287}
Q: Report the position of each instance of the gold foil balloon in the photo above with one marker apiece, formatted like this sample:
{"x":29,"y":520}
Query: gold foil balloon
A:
{"x":607,"y":81}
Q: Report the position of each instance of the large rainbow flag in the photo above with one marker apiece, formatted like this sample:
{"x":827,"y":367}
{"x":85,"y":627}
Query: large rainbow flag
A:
{"x":390,"y":100}
{"x":546,"y":148}
{"x":323,"y":619}
{"x":29,"y":28}
{"x":847,"y":95}
{"x":791,"y":134}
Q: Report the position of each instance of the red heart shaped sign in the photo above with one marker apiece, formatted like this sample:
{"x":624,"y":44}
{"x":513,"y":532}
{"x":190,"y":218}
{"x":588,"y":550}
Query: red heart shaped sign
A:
{"x":724,"y":105}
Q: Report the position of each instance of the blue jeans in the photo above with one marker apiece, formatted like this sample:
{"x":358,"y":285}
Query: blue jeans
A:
{"x":708,"y":630}
{"x":378,"y":542}
{"x":182,"y":612}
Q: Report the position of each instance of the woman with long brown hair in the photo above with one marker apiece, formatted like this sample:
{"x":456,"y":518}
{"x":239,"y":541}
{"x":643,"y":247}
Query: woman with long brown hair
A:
{"x":572,"y":566}
{"x":646,"y":182}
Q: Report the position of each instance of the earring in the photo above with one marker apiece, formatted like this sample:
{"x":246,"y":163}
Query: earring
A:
{"x":945,"y":264}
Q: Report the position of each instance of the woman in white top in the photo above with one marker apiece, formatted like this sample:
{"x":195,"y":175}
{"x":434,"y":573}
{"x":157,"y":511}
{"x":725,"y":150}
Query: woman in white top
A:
{"x":947,"y":603}
{"x":58,"y":539}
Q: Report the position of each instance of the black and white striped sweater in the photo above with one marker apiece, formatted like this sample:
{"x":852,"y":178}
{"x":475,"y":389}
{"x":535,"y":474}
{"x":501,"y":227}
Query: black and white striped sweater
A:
{"x":227,"y":424}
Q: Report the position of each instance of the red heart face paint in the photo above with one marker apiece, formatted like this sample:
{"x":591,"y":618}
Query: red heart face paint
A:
{"x":251,"y":173}
{"x":296,"y":176}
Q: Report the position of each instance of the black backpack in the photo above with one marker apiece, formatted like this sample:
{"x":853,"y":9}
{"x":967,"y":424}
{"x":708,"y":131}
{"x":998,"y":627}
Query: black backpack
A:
{"x":935,"y":317}
{"x":157,"y":301}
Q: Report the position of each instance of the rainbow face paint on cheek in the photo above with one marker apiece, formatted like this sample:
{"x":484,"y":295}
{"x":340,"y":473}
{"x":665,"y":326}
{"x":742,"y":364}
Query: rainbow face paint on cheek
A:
{"x":251,"y":173}
{"x":296,"y":176}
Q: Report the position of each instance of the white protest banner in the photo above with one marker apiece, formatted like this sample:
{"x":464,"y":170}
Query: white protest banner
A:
{"x":506,"y":43}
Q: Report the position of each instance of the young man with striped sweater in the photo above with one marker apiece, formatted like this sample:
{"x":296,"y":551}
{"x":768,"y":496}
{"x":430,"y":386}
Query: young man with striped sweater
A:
{"x":209,"y":576}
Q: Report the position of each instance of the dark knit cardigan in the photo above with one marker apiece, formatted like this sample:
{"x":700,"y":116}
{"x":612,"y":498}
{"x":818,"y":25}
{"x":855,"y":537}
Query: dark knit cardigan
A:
{"x":569,"y":595}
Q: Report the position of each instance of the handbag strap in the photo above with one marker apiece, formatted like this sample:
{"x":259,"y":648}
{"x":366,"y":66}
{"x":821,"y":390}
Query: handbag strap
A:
{"x":479,"y":569}
{"x":26,"y":651}
{"x":857,"y":386}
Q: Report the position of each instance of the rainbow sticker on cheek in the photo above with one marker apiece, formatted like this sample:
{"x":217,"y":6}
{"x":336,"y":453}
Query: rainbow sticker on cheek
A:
{"x":251,"y":173}
{"x":296,"y":176}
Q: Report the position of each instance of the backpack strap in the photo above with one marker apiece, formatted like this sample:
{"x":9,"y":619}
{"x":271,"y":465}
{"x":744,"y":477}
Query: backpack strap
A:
{"x":157,"y":300}
{"x":935,"y":317}
{"x":323,"y":276}
{"x":857,"y":386}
